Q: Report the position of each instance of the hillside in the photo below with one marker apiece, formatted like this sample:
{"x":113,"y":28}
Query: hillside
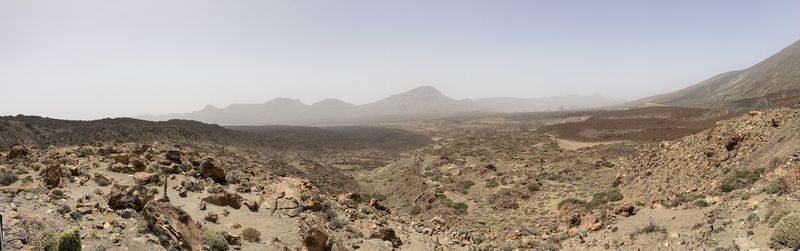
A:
{"x":424,"y":102}
{"x":44,"y":132}
{"x":768,"y":83}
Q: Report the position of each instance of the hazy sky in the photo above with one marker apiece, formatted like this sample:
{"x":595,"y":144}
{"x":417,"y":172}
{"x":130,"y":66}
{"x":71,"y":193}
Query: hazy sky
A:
{"x":92,"y":59}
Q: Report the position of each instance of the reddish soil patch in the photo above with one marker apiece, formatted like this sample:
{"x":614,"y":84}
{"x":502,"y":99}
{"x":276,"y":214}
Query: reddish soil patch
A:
{"x":651,"y":124}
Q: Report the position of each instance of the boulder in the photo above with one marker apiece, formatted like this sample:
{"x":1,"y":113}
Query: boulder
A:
{"x":122,"y":197}
{"x":212,"y":217}
{"x":377,"y":205}
{"x":174,"y":156}
{"x":144,"y":178}
{"x":173,"y":227}
{"x":122,"y":168}
{"x":210,"y":169}
{"x":122,"y":158}
{"x":386,"y":234}
{"x":252,"y":204}
{"x":225,"y":199}
{"x":138,"y":164}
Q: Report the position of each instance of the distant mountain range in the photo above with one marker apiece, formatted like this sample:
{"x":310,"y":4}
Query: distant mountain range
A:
{"x":422,"y":102}
{"x":772,"y":82}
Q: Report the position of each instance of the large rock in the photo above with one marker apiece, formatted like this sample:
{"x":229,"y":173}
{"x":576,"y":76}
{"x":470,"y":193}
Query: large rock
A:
{"x":144,"y":178}
{"x":225,"y":200}
{"x":173,"y":227}
{"x":123,"y":158}
{"x":124,"y":168}
{"x":51,"y":176}
{"x":210,"y":169}
{"x":124,"y":197}
{"x":386,"y":234}
{"x":17,"y":151}
{"x":174,"y":156}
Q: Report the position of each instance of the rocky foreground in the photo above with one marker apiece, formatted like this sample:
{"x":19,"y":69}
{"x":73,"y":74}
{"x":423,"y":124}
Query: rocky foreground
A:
{"x":484,"y":184}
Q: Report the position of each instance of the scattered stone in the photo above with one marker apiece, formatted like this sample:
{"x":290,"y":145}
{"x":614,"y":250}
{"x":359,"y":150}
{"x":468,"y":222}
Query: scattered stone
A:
{"x":225,"y":199}
{"x":212,"y":217}
{"x":377,"y":205}
{"x":253,"y":205}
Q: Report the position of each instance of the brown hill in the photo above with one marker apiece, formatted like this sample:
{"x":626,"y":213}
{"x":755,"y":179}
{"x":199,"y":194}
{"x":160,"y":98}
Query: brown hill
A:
{"x":768,"y":83}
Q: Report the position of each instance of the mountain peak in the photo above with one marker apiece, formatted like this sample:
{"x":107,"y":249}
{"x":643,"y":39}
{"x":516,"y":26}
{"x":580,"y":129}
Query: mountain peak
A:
{"x":425,"y":90}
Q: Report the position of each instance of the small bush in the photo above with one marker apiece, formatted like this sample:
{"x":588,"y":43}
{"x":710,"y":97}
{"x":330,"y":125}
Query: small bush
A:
{"x":8,"y":177}
{"x":773,"y":187}
{"x":700,"y":203}
{"x":415,"y":210}
{"x":491,"y":183}
{"x":786,"y":233}
{"x":460,"y":208}
{"x":215,"y":189}
{"x":739,"y":179}
{"x":251,"y":235}
{"x":215,"y":241}
{"x":465,"y":185}
{"x":533,"y":187}
{"x":337,"y":223}
{"x":603,"y":163}
{"x":571,"y":201}
{"x":775,"y":215}
{"x":648,"y":229}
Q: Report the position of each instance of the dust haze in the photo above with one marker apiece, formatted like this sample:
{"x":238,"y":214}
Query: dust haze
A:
{"x":387,"y":125}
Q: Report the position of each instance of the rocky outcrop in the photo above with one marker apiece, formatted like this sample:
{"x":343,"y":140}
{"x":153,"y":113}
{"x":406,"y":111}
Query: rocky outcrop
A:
{"x":17,"y":151}
{"x":211,"y":169}
{"x":124,"y":197}
{"x":173,"y":227}
{"x":51,"y":176}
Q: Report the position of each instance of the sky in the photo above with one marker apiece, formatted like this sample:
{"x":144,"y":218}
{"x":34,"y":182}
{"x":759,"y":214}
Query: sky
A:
{"x":85,"y":59}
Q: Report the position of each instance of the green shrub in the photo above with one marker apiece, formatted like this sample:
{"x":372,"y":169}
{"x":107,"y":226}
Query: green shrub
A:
{"x":700,"y":203}
{"x":739,"y":179}
{"x":681,"y":199}
{"x":533,"y":187}
{"x":571,"y":201}
{"x":648,"y":229}
{"x":251,"y":235}
{"x":491,"y":183}
{"x":415,"y":210}
{"x":460,"y":208}
{"x":215,"y":241}
{"x":69,"y":240}
{"x":465,"y":185}
{"x":603,"y":163}
{"x":786,"y":233}
{"x":8,"y":177}
{"x":215,"y":189}
{"x":773,"y":187}
{"x":775,"y":215}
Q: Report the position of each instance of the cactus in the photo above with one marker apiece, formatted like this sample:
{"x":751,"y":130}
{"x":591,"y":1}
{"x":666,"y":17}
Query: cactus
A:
{"x":69,"y":240}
